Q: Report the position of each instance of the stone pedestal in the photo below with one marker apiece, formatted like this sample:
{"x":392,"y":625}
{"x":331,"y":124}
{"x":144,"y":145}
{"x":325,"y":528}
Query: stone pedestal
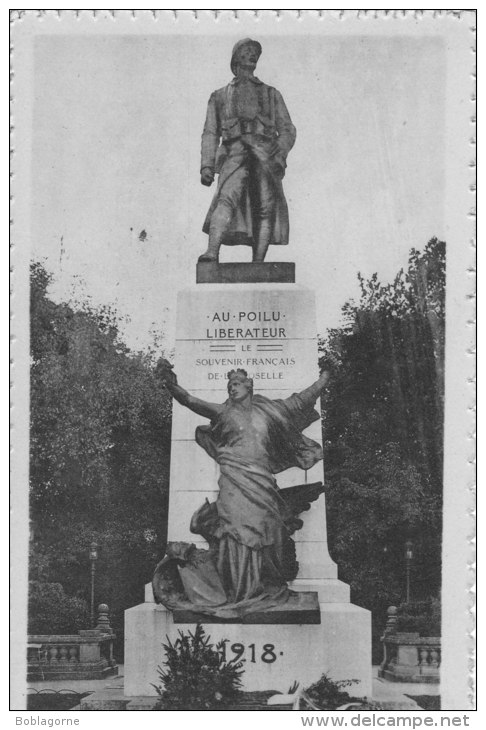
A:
{"x":268,"y":329}
{"x":409,"y":657}
{"x":85,"y":655}
{"x":339,"y":646}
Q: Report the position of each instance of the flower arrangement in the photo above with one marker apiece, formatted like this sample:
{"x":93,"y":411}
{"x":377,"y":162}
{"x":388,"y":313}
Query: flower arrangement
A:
{"x":195,"y":674}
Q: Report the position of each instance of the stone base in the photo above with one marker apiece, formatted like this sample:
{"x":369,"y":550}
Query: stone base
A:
{"x":339,"y":646}
{"x":301,"y":608}
{"x":411,"y":658}
{"x":41,"y":672}
{"x":209,"y":272}
{"x":431,"y":677}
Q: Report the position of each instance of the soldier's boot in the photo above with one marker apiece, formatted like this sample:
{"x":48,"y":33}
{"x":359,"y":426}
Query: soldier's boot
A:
{"x":263,"y":241}
{"x":218,"y":226}
{"x":212,"y":252}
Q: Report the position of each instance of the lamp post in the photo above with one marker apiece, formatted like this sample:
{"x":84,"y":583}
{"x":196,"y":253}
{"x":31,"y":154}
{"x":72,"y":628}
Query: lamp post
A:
{"x":408,"y":561}
{"x":93,"y":556}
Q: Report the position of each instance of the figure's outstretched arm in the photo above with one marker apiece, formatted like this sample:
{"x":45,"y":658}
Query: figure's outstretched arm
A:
{"x":182,"y":396}
{"x":312,"y":393}
{"x":201,"y":407}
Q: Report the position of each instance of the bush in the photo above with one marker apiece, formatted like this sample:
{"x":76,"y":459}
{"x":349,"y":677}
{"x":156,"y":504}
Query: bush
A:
{"x":197,"y":676}
{"x":52,"y":611}
{"x":423,"y":617}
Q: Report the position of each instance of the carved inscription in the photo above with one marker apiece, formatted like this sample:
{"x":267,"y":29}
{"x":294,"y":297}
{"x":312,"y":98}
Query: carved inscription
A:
{"x":252,"y":340}
{"x":266,"y":653}
{"x":241,"y":326}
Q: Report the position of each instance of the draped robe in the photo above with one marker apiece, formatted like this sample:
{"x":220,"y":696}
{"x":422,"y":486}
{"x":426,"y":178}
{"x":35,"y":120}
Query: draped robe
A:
{"x":245,"y":527}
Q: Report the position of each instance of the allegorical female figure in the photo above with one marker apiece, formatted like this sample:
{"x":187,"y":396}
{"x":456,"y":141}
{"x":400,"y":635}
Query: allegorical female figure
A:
{"x":251,"y":438}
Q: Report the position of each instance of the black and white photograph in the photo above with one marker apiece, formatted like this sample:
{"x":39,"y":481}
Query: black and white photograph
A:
{"x":242,"y":379}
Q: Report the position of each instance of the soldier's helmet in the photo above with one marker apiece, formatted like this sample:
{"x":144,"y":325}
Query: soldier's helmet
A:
{"x":237,"y":47}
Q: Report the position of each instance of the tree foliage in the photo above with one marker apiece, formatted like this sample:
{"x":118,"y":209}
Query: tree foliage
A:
{"x":421,"y":616}
{"x":384,"y":432}
{"x":51,"y":611}
{"x":100,"y":443}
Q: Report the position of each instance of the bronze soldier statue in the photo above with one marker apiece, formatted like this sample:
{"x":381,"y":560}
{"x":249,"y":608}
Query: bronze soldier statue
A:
{"x":246,"y":139}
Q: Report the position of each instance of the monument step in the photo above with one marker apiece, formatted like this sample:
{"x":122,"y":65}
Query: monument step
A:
{"x":391,"y":697}
{"x":328,"y":590}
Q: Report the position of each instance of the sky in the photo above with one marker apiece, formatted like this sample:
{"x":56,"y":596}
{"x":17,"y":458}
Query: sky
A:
{"x":117,"y":122}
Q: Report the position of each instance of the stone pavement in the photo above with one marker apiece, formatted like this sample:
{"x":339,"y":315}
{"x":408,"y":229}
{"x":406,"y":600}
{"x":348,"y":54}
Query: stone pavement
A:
{"x":107,"y":694}
{"x":109,"y":690}
{"x":393,"y":695}
{"x":78,"y":685}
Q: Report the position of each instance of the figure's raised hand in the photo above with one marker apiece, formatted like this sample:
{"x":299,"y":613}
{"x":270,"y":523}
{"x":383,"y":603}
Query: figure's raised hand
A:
{"x":207,"y":176}
{"x":329,"y":364}
{"x":165,"y":371}
{"x":323,"y":378}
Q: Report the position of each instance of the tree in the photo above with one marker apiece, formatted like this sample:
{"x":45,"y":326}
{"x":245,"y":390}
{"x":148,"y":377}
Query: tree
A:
{"x":383,"y":432}
{"x":100,"y":445}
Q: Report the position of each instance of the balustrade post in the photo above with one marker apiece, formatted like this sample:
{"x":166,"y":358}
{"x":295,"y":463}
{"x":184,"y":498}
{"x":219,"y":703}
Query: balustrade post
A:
{"x":103,"y":619}
{"x":104,"y":626}
{"x":391,"y":620}
{"x":423,"y":654}
{"x":52,"y":654}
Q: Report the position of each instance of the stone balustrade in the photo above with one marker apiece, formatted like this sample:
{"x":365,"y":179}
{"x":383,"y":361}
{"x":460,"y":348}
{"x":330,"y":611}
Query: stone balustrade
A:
{"x":407,"y":656}
{"x":85,"y":655}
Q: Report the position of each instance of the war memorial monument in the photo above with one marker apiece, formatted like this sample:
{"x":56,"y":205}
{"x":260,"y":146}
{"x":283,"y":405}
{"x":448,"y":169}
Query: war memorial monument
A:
{"x":247,"y":545}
